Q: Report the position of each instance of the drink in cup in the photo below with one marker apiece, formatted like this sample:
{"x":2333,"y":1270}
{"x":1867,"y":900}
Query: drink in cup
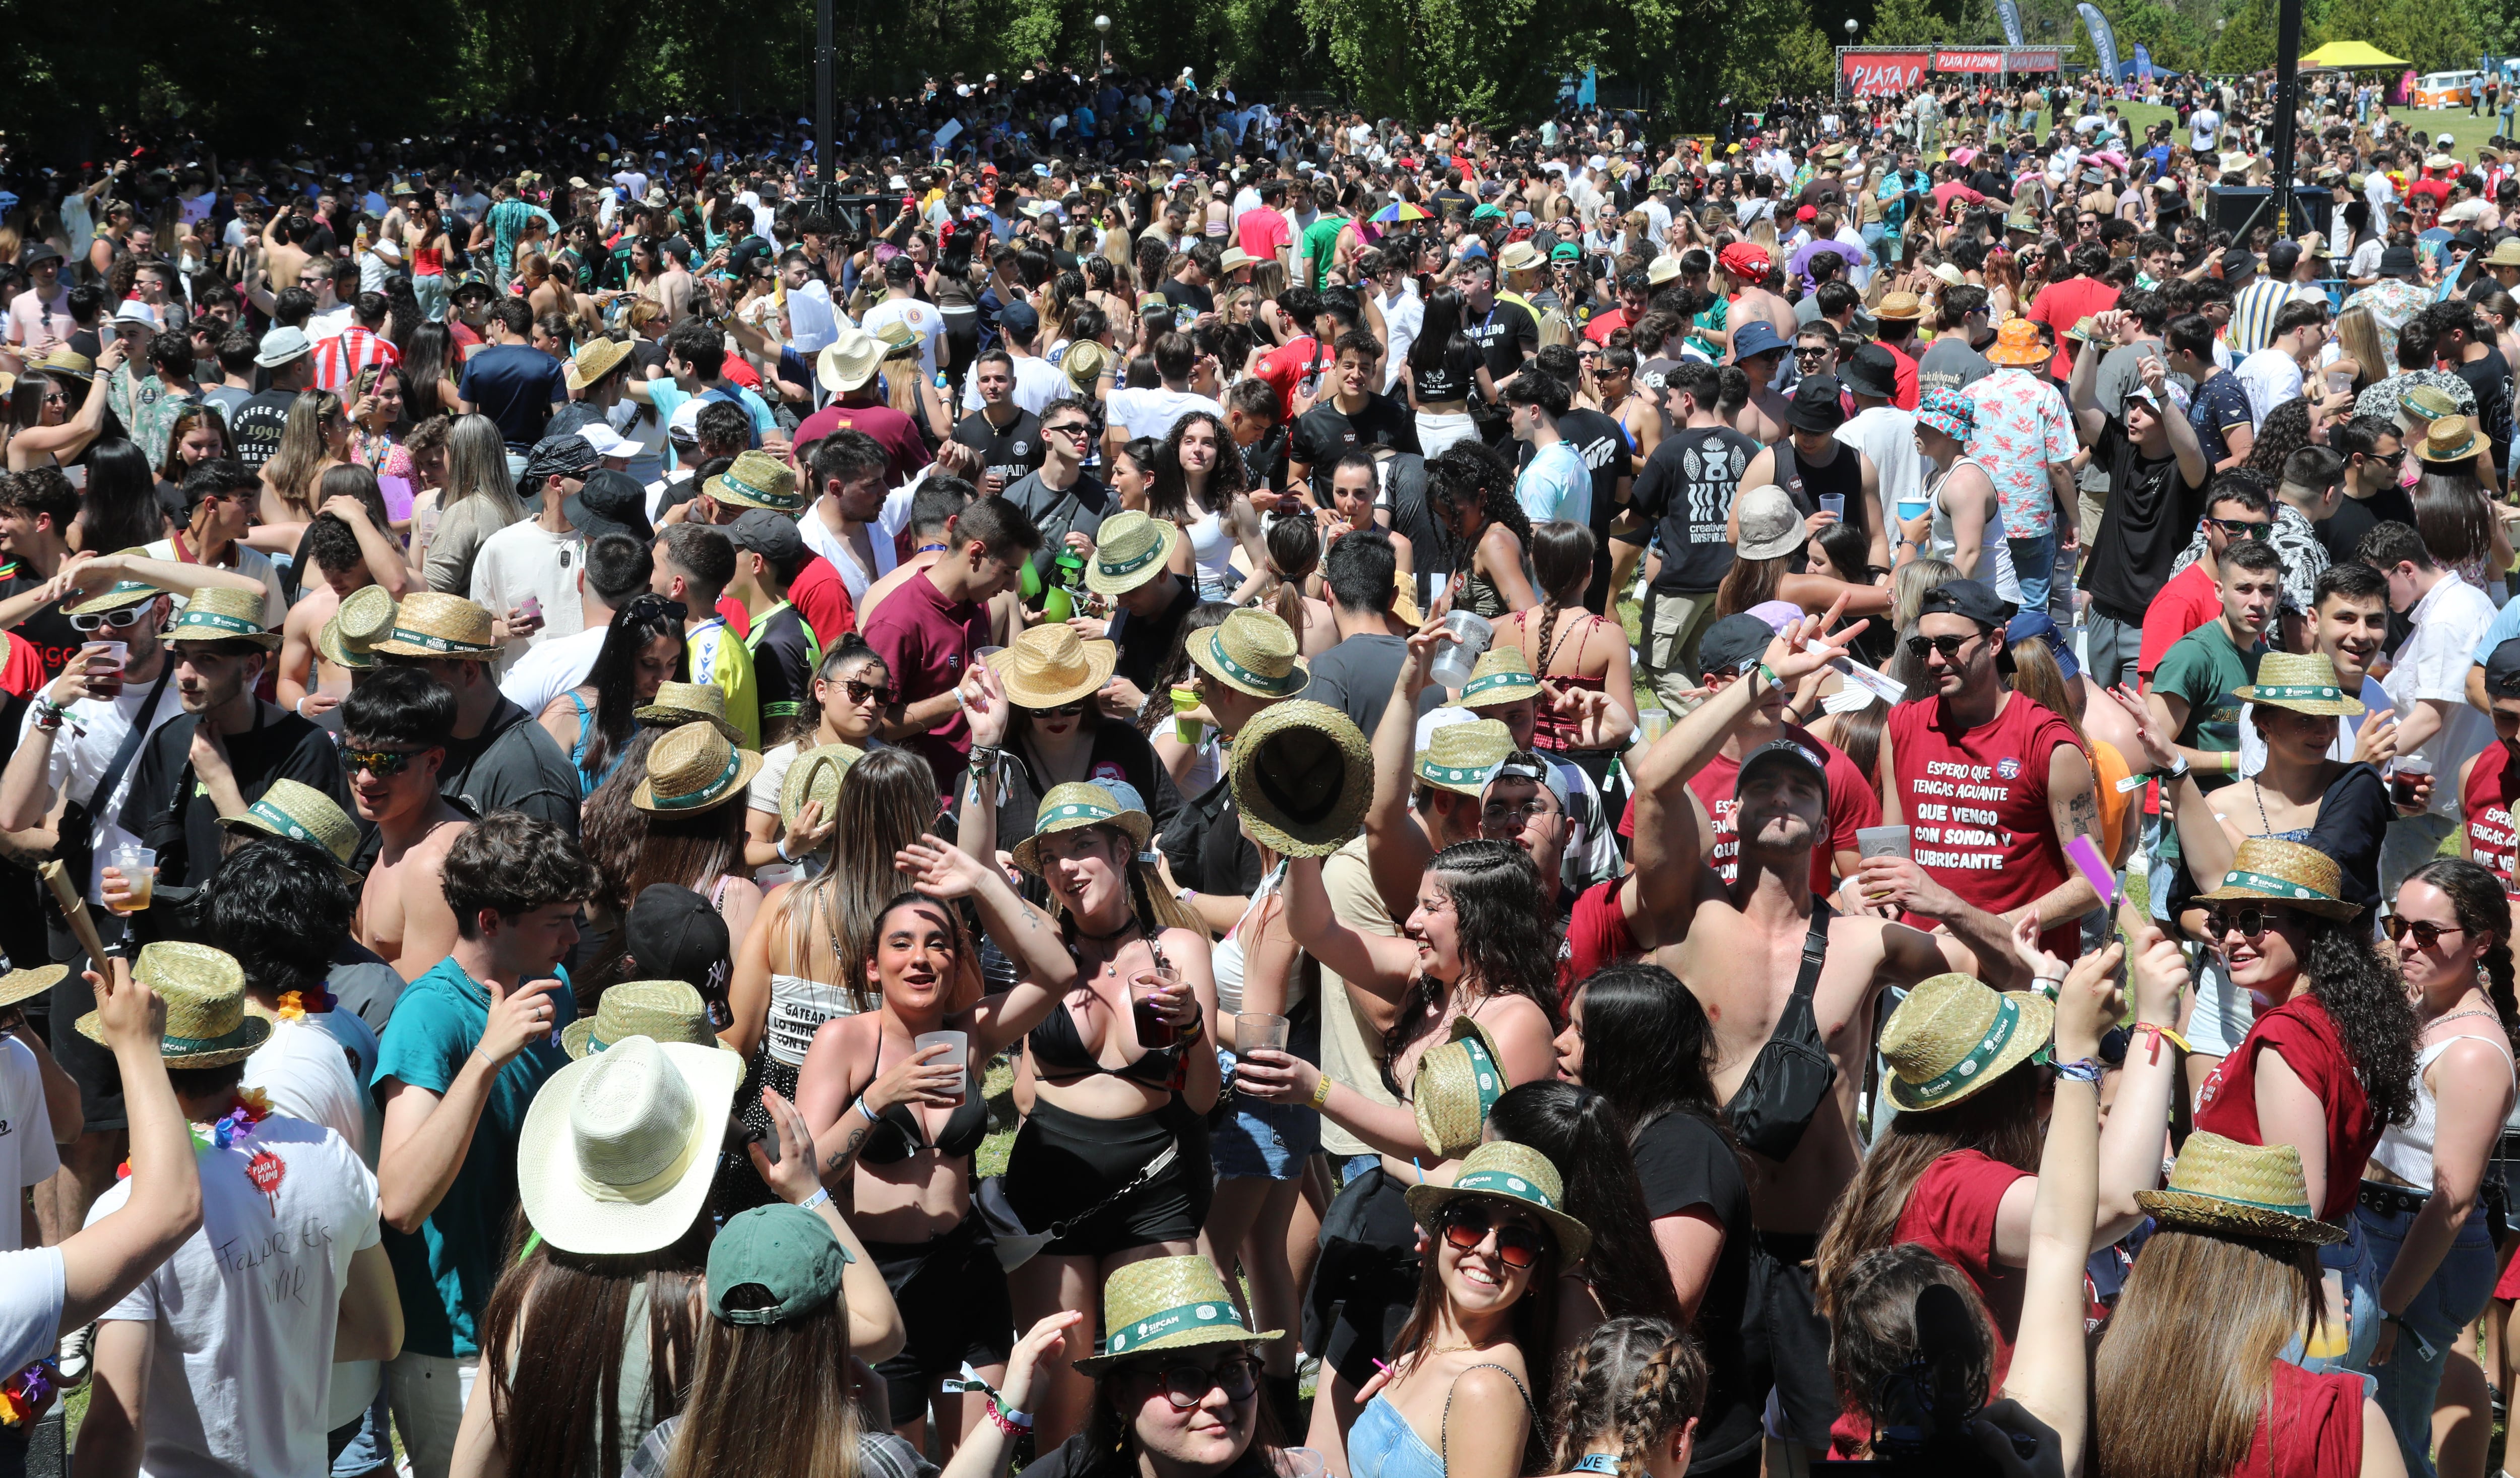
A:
{"x":101,"y":682}
{"x":958,"y":1050}
{"x":1187,"y":730}
{"x":1148,"y":1012}
{"x":1882,"y":841}
{"x":1259,"y":1031}
{"x":2404,"y":777}
{"x":1470,"y":633}
{"x":139,"y":868}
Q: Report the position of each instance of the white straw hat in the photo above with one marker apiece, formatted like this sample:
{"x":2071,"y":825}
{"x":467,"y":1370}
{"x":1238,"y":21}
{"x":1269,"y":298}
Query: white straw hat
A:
{"x":619,"y":1147}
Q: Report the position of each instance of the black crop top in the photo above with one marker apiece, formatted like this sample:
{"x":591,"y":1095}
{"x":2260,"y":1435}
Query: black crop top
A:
{"x":1058,"y":1051}
{"x":898,"y":1134}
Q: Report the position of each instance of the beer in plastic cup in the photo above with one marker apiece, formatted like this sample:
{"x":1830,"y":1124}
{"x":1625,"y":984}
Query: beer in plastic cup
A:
{"x":139,"y":868}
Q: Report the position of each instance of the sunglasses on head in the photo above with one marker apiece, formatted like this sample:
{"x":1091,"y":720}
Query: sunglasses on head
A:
{"x":128,"y":615}
{"x":1186,"y":1386}
{"x":1466,"y":1225}
{"x":383,"y":764}
{"x":1949,"y":647}
{"x":859,"y":693}
{"x":654,"y":606}
{"x":2427,"y":933}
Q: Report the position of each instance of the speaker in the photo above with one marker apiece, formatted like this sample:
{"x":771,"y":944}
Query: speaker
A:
{"x":2231,"y":207}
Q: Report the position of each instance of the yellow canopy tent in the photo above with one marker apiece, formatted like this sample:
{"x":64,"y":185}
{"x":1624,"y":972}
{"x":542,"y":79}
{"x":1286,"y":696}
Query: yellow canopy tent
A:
{"x":2351,"y":54}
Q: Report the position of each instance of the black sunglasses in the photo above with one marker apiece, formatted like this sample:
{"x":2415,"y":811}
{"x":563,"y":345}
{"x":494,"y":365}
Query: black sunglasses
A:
{"x":2249,"y":922}
{"x":2242,"y":528}
{"x":654,"y":606}
{"x":1813,"y":352}
{"x":1949,"y":647}
{"x":1186,"y":1386}
{"x":859,"y":693}
{"x":1079,"y":707}
{"x":1468,"y":1224}
{"x":2427,"y":933}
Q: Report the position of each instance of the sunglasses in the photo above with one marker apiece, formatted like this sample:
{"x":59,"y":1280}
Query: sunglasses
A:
{"x":1811,"y":353}
{"x":859,"y":693}
{"x":2242,"y":528}
{"x":1077,"y":429}
{"x":1186,"y":1386}
{"x":1949,"y":647}
{"x":383,"y":764}
{"x":2249,"y":922}
{"x":1466,"y":1225}
{"x":2427,"y":933}
{"x":127,"y":616}
{"x":1080,"y":708}
{"x":654,"y":606}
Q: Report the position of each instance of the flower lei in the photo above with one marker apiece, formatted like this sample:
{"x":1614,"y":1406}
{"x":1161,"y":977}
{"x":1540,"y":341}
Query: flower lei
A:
{"x":298,"y":1005}
{"x":28,"y":1394}
{"x":252,"y":1107}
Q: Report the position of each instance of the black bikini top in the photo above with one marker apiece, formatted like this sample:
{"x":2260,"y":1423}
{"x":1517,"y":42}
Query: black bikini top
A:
{"x":1058,"y":1051}
{"x":898,"y":1134}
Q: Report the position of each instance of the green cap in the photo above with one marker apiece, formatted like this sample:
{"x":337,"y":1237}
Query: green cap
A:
{"x":1565,"y":252}
{"x":786,"y":1250}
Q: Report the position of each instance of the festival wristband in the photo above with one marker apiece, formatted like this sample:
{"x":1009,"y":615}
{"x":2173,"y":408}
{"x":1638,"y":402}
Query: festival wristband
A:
{"x":1322,"y":1092}
{"x":2082,"y":1070}
{"x":821,"y":1194}
{"x":868,"y":1112}
{"x":2155,"y":1032}
{"x":2047,"y":985}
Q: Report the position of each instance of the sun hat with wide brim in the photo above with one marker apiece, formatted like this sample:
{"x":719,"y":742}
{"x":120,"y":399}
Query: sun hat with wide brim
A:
{"x":2016,"y":345}
{"x":302,"y":813}
{"x":815,"y":775}
{"x":349,"y":636}
{"x":1131,"y":548}
{"x":619,"y":1147}
{"x":1251,"y":652}
{"x":593,"y":359}
{"x":1502,"y":675}
{"x":693,"y":768}
{"x":757,"y":479}
{"x":1168,"y":1303}
{"x":1464,"y":758}
{"x":27,"y":984}
{"x":2449,"y":439}
{"x":1049,"y":665}
{"x":222,"y":614}
{"x":1303,"y":776}
{"x":849,"y":360}
{"x":430,"y":623}
{"x":2220,"y":1184}
{"x":661,"y":1010}
{"x":2303,"y":684}
{"x":679,"y":703}
{"x":1458,"y":1080}
{"x":120,"y":593}
{"x":1076,"y":805}
{"x":1771,"y":525}
{"x":1955,"y":1034}
{"x":1517,"y":1174}
{"x":2267,"y":870}
{"x":207,"y":1022}
{"x":65,"y":360}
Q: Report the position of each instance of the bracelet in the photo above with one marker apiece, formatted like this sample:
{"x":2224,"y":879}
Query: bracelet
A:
{"x":1322,"y":1092}
{"x":299,"y":707}
{"x":2047,"y":985}
{"x":1185,"y":895}
{"x":783,"y":852}
{"x":1197,"y":1029}
{"x":868,"y":1112}
{"x":2156,"y":1032}
{"x":1012,"y":1423}
{"x":1770,"y":673}
{"x":2081,"y":1071}
{"x":821,"y":1194}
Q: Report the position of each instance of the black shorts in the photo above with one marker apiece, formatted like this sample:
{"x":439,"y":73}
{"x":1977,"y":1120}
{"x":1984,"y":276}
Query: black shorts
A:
{"x":1063,"y":1164}
{"x":1366,"y":1279}
{"x":953,"y":1300}
{"x":90,"y":1065}
{"x":1784,"y":1340}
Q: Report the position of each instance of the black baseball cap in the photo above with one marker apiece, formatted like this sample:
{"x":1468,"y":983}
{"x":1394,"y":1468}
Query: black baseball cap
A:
{"x":609,"y":502}
{"x":671,"y":933}
{"x":1971,"y":599}
{"x":2503,"y":671}
{"x":1733,"y":646}
{"x":1783,"y":751}
{"x":771,"y":535}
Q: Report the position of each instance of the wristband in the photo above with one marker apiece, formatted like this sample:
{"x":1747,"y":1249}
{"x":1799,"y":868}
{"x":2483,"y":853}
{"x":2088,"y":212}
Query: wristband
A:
{"x":1770,"y":673}
{"x":1012,"y":1423}
{"x":2156,"y":1032}
{"x":1322,"y":1092}
{"x":783,"y":852}
{"x":2081,"y":1071}
{"x":821,"y":1194}
{"x":868,"y":1112}
{"x":1197,"y":1029}
{"x":2047,"y":985}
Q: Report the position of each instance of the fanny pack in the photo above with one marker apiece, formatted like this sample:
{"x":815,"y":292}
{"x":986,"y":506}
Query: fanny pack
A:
{"x":1793,"y":1073}
{"x":1016,"y":1246}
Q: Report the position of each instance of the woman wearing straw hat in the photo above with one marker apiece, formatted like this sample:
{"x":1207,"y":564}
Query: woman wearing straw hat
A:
{"x":1035,"y":702}
{"x":2464,"y":527}
{"x":852,"y":691}
{"x":593,"y":722}
{"x":2228,"y":1279}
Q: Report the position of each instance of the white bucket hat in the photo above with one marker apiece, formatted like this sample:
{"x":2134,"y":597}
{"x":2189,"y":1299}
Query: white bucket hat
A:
{"x":619,"y":1147}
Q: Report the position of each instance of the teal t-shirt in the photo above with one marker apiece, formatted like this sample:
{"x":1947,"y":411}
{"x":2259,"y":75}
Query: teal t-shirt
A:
{"x":446,"y":1269}
{"x":2203,"y":668}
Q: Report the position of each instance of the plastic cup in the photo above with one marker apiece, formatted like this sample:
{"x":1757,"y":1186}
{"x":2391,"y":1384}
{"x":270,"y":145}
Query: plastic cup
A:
{"x":1883,"y":842}
{"x":1300,"y":1463}
{"x":1834,"y":504}
{"x":957,"y":1051}
{"x":1471,"y":635}
{"x":139,"y":868}
{"x":1651,"y":723}
{"x":1156,"y":1029}
{"x":1259,"y":1031}
{"x":1190,"y":731}
{"x":2402,"y":777}
{"x":1911,"y":508}
{"x":111,"y":685}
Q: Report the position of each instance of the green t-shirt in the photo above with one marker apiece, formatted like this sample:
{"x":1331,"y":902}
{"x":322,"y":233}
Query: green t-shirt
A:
{"x":1321,"y":240}
{"x":2202,"y":669}
{"x":446,"y":1269}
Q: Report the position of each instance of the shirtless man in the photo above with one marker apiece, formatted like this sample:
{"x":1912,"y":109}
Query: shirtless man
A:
{"x":1759,"y":349}
{"x":395,"y":729}
{"x":310,"y":683}
{"x":1741,"y":948}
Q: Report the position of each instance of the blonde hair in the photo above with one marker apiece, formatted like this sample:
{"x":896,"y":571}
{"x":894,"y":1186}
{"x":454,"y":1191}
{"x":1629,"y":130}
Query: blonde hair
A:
{"x":477,"y":467}
{"x":302,"y":456}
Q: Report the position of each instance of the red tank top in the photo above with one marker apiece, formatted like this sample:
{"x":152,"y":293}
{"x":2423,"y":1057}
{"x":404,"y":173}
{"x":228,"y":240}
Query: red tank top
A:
{"x":2313,"y":1427}
{"x":2486,"y":804}
{"x":2305,"y":1036}
{"x":1977,"y":799}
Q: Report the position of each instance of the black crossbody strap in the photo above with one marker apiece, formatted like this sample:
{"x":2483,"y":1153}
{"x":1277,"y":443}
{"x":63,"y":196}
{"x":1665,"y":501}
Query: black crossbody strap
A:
{"x":138,"y":735}
{"x":1815,"y":954}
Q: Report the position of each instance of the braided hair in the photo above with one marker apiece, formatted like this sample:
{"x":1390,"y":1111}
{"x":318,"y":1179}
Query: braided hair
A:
{"x":2476,"y":896}
{"x":1634,"y":1381}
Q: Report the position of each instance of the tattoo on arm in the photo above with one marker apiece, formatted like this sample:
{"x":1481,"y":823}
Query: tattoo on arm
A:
{"x":848,"y":1152}
{"x":2083,"y":813}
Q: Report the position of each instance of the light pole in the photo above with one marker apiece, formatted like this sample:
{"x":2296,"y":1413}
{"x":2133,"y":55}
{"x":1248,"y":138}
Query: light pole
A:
{"x":1103,"y":30}
{"x":1850,"y":30}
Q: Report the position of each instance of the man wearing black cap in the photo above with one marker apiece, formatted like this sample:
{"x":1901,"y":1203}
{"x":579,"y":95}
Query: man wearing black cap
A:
{"x":1809,"y":464}
{"x":2490,"y":782}
{"x":1770,"y":963}
{"x":672,"y":933}
{"x":768,"y":554}
{"x":1993,"y":784}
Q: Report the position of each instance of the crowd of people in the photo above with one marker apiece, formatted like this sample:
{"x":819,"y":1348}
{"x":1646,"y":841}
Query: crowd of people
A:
{"x":1669,"y":809}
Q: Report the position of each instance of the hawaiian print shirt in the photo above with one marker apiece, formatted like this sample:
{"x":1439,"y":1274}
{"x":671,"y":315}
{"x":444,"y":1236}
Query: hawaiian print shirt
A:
{"x":2022,"y":428}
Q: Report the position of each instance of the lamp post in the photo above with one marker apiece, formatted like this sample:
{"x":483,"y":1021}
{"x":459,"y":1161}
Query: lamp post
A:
{"x":1102,"y":31}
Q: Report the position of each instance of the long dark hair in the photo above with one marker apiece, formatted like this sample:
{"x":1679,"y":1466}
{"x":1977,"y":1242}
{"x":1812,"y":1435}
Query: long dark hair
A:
{"x":1508,"y":941}
{"x":1467,"y":474}
{"x":119,"y":509}
{"x":1562,"y":564}
{"x":1439,"y":335}
{"x":2000,"y":1120}
{"x":1648,"y":1045}
{"x":770,"y":1400}
{"x":2363,"y":994}
{"x":1168,"y":497}
{"x":1584,"y":1136}
{"x":614,"y":678}
{"x":2453,"y":514}
{"x":1533,"y":1325}
{"x":2477,"y":898}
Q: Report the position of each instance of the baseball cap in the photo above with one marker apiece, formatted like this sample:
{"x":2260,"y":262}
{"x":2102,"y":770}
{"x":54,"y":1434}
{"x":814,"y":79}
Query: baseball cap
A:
{"x":671,"y":933}
{"x":771,"y":535}
{"x":609,"y":502}
{"x":1733,"y":645}
{"x":2036,"y":623}
{"x":684,"y":430}
{"x":1019,"y":318}
{"x":787,"y":1252}
{"x":1783,"y":752}
{"x":2503,"y":671}
{"x":1966,"y":597}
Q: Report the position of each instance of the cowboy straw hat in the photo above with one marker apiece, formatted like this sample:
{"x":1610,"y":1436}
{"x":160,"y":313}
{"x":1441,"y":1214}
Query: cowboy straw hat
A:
{"x":1130,"y":548}
{"x":2303,"y":683}
{"x":1517,"y":1174}
{"x":2267,"y":870}
{"x":1662,"y":270}
{"x":679,"y":703}
{"x":1168,"y":1303}
{"x":222,"y":614}
{"x":2222,"y":1185}
{"x":2016,"y":345}
{"x":27,"y":984}
{"x":849,"y":360}
{"x":815,"y":775}
{"x":693,"y":768}
{"x":619,"y":1147}
{"x":1251,"y":652}
{"x":350,"y":635}
{"x":429,"y":623}
{"x":207,"y":1022}
{"x":1955,"y":1034}
{"x":1051,"y":665}
{"x":302,"y":813}
{"x":1519,"y":256}
{"x":1458,"y":1080}
{"x":1501,"y":676}
{"x":593,"y":360}
{"x":2505,"y":253}
{"x":2449,"y":439}
{"x":123,"y":593}
{"x":1465,"y":757}
{"x":757,"y":479}
{"x":1303,"y":776}
{"x":1075,"y":805}
{"x":661,"y":1010}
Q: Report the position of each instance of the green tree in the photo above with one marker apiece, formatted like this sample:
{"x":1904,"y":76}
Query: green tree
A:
{"x":2433,"y":37}
{"x":2247,"y":43}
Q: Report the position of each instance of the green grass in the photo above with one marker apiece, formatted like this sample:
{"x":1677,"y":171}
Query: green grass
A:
{"x":2467,"y":132}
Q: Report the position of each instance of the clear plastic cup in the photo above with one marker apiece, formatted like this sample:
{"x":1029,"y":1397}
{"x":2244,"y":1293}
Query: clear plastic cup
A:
{"x":1883,"y":842}
{"x":1834,"y":504}
{"x":1454,"y":662}
{"x":957,"y":1051}
{"x":1259,"y":1031}
{"x":1651,"y":723}
{"x":139,"y":868}
{"x":120,"y":652}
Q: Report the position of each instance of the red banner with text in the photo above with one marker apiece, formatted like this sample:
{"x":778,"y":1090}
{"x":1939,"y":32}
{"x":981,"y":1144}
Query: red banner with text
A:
{"x":1995,"y":60}
{"x":1875,"y":73}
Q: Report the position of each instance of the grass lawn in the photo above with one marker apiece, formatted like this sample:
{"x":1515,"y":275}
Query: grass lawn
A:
{"x":2431,"y":121}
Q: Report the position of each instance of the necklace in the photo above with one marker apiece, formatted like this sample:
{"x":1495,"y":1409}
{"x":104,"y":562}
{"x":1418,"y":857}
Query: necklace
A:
{"x":2474,"y":1010}
{"x":1082,"y":932}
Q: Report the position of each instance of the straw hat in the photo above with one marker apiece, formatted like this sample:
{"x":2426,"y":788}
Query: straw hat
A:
{"x":1519,"y":256}
{"x":1954,"y":1035}
{"x":1168,"y":1303}
{"x":693,"y":768}
{"x":897,"y":337}
{"x":1303,"y":776}
{"x":27,"y":984}
{"x":1130,"y":550}
{"x":2017,"y":344}
{"x":349,"y":638}
{"x":593,"y":360}
{"x":1084,"y":364}
{"x":120,"y":594}
{"x":679,"y":703}
{"x":1519,"y":1176}
{"x":1051,"y":665}
{"x":1502,"y":675}
{"x":1074,"y":805}
{"x":660,"y":1010}
{"x":815,"y":775}
{"x":2505,"y":253}
{"x":757,"y":479}
{"x":2427,"y":403}
{"x":2267,"y":870}
{"x":2220,"y":1184}
{"x":431,"y":624}
{"x":849,"y":360}
{"x":1458,"y":1080}
{"x":1661,"y":270}
{"x":1899,"y":305}
{"x":1251,"y":652}
{"x":1464,"y":757}
{"x":207,"y":1022}
{"x":2302,"y":684}
{"x":619,"y":1147}
{"x":1771,"y":525}
{"x":222,"y":614}
{"x":302,"y":813}
{"x":67,"y":360}
{"x":2450,"y":438}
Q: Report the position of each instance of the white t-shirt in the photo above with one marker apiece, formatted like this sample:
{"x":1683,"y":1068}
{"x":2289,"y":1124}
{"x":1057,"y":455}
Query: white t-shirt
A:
{"x":2203,"y":125}
{"x":1403,"y":315}
{"x":1888,"y":435}
{"x":240,"y":1371}
{"x":552,"y":668}
{"x":923,"y":317}
{"x":1152,"y":412}
{"x":248,"y":562}
{"x":79,"y":760}
{"x":2272,"y":377}
{"x":27,"y":1156}
{"x":529,"y":560}
{"x":307,"y":1076}
{"x":33,"y":1285}
{"x":2432,"y":665}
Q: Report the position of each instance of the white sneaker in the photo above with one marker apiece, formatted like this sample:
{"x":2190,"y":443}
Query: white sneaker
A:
{"x":77,"y":1355}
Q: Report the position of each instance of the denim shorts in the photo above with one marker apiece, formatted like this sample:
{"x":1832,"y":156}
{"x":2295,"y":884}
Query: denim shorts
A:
{"x":1268,"y":1142}
{"x":2429,"y":1328}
